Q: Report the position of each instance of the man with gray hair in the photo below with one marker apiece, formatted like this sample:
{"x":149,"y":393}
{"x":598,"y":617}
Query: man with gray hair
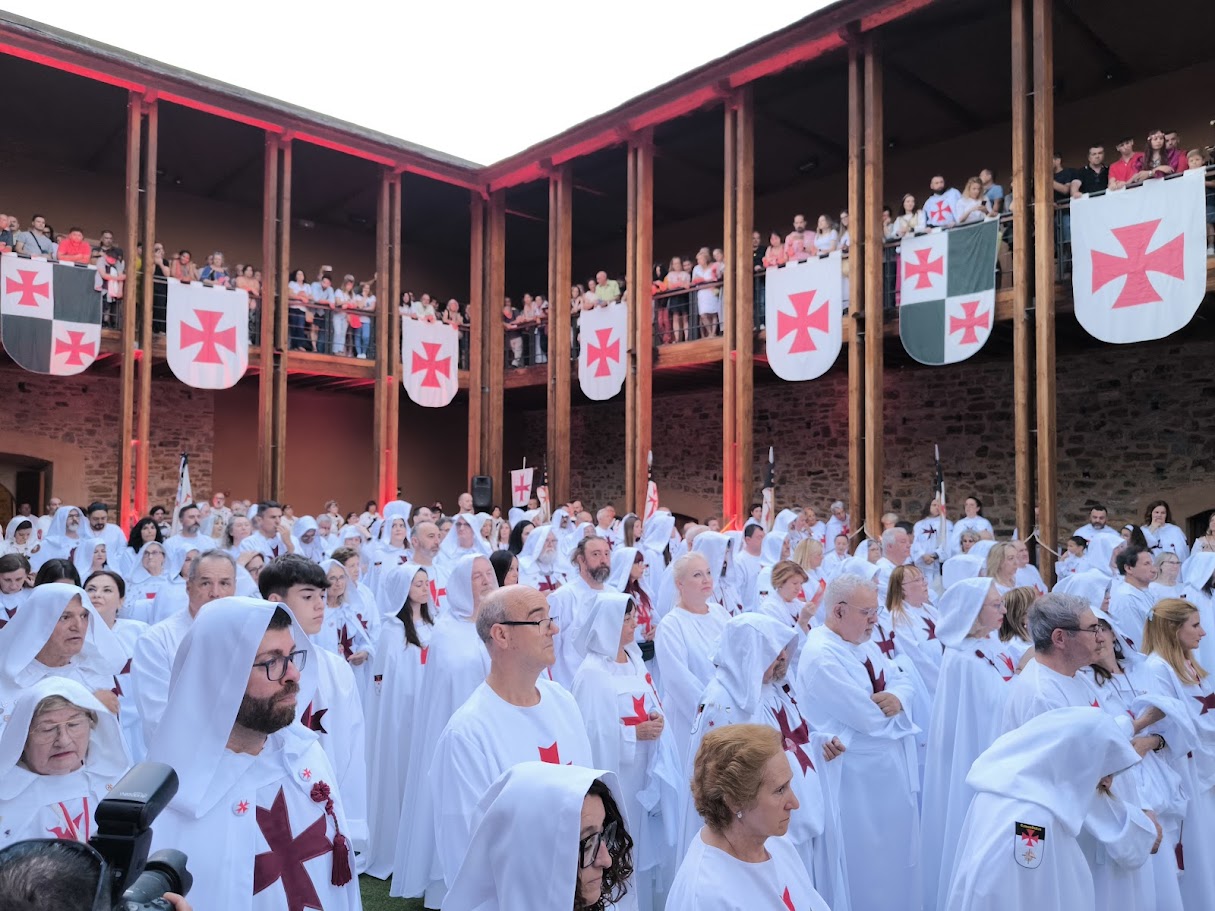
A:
{"x":848,"y":685}
{"x":839,"y":523}
{"x":517,"y":715}
{"x":212,"y":576}
{"x":896,"y":550}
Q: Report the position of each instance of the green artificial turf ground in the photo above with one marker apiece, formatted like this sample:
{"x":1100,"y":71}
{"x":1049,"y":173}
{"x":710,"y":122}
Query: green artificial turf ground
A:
{"x":375,"y":897}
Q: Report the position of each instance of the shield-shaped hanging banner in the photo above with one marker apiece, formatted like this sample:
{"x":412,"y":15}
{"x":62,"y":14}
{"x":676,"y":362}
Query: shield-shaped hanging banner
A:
{"x":207,"y":334}
{"x":602,"y":350}
{"x":429,"y":354}
{"x":948,"y":292}
{"x":1139,"y":259}
{"x":50,"y":314}
{"x":803,"y":318}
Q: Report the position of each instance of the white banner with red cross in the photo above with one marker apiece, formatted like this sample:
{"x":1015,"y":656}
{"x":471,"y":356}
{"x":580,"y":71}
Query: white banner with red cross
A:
{"x":429,"y":354}
{"x":207,"y":334}
{"x":803,"y":320}
{"x":1139,"y":262}
{"x":602,"y":350}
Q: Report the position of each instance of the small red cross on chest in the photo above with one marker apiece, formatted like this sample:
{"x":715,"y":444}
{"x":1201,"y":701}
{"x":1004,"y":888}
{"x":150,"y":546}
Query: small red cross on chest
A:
{"x":551,"y":754}
{"x":886,"y":643}
{"x":788,"y":901}
{"x":794,"y":738}
{"x":639,"y":716}
{"x":876,"y":680}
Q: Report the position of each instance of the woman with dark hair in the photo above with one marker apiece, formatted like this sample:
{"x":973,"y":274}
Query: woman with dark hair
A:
{"x":299,"y":297}
{"x":518,"y":536}
{"x":1159,"y":531}
{"x":552,"y":838}
{"x":145,"y":530}
{"x":1133,"y":535}
{"x":973,"y":520}
{"x":106,"y":589}
{"x":57,"y":570}
{"x":400,"y":661}
{"x":741,"y":785}
{"x":506,"y":567}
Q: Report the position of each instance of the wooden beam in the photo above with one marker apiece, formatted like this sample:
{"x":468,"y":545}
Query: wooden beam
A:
{"x":278,"y":475}
{"x":729,"y":388}
{"x":641,"y":296}
{"x":561,"y":227}
{"x":1116,"y":68}
{"x":265,"y":376}
{"x":1044,"y":278}
{"x":965,"y":117}
{"x":871,"y":234}
{"x":382,"y":446}
{"x":146,"y":337}
{"x":494,"y":341}
{"x":125,"y":506}
{"x":631,"y":332}
{"x":826,"y":143}
{"x":389,"y":312}
{"x":740,"y":274}
{"x":1022,"y":279}
{"x":476,"y":326}
{"x":856,"y":350}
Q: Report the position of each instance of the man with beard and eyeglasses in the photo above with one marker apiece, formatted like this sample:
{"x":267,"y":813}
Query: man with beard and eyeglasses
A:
{"x":258,"y":810}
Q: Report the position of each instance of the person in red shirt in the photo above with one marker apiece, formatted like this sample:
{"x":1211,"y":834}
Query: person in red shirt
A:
{"x":1125,"y":170}
{"x":74,"y":248}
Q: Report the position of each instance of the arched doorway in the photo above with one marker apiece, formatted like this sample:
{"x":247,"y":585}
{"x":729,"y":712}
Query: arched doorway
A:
{"x":23,"y":479}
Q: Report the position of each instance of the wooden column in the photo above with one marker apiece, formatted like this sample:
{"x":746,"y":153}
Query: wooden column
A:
{"x":740,"y":275}
{"x":729,"y":391}
{"x":382,"y":444}
{"x":1044,"y":277}
{"x":146,"y":337}
{"x":630,"y":335}
{"x":560,"y":278}
{"x":856,"y":345}
{"x":641,"y":296}
{"x":126,"y":507}
{"x":493,"y":341}
{"x":1022,"y":277}
{"x":476,"y":325}
{"x":279,"y":353}
{"x":870,"y":229}
{"x":265,"y":374}
{"x":388,"y":311}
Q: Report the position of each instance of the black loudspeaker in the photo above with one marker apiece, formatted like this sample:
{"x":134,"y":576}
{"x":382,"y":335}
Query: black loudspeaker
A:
{"x":482,"y":493}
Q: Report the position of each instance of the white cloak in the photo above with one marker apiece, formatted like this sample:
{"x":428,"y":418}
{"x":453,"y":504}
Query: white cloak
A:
{"x":684,"y":647}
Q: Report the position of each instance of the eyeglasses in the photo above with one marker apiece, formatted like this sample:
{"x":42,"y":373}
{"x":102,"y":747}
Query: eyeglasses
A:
{"x":1095,"y":630}
{"x":49,"y":732}
{"x":543,"y":625}
{"x":276,"y":668}
{"x":588,"y":848}
{"x":870,"y":612}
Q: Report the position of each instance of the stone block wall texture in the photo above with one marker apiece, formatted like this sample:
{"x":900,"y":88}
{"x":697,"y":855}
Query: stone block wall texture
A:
{"x":1133,"y":424}
{"x":73,"y":423}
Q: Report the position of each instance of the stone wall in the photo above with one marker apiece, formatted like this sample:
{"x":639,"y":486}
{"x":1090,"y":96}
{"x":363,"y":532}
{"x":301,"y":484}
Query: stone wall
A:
{"x":1133,"y":424}
{"x":72,"y":422}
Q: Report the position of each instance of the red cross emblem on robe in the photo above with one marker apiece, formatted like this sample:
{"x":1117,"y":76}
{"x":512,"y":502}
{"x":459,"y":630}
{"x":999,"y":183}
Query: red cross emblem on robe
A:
{"x":886,"y":643}
{"x":788,"y":901}
{"x":795,"y":738}
{"x":876,"y":680}
{"x":312,"y":720}
{"x":1207,"y":702}
{"x":551,"y":754}
{"x":639,"y":716}
{"x":287,"y":855}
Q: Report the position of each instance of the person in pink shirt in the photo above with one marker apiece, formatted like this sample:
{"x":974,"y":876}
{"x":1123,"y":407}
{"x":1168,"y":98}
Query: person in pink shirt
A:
{"x":795,"y":243}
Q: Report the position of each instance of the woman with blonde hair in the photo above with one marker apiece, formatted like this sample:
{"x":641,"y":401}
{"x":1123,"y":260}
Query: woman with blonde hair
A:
{"x":914,"y":617}
{"x":741,"y":786}
{"x":1002,"y":566}
{"x":783,"y":603}
{"x":1170,"y":641}
{"x":809,"y":556}
{"x":1014,"y":630}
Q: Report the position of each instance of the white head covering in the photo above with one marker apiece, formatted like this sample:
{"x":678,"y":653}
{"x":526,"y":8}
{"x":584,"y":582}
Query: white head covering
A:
{"x":394,"y":588}
{"x":623,"y":559}
{"x":980,"y":548}
{"x":598,"y":633}
{"x":715,"y":547}
{"x":139,"y":572}
{"x":397,"y":509}
{"x":1198,"y":569}
{"x":1099,"y":552}
{"x":82,"y":559}
{"x":10,"y":534}
{"x":350,"y":530}
{"x":208,"y":682}
{"x":314,"y":551}
{"x":656,"y":531}
{"x":23,"y":792}
{"x":524,"y":847}
{"x":859,"y":566}
{"x":459,"y":587}
{"x":749,"y":644}
{"x":177,"y":549}
{"x":1055,"y":761}
{"x":774,"y":543}
{"x":959,"y":608}
{"x":530,"y":555}
{"x":56,"y":535}
{"x":102,"y":655}
{"x":450,"y":551}
{"x":961,"y":566}
{"x":784,"y":519}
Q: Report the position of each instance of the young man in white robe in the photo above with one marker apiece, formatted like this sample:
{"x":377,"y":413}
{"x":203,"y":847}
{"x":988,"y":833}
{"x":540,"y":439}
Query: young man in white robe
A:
{"x":457,"y":663}
{"x":333,"y":708}
{"x":424,"y":543}
{"x":212,"y":576}
{"x":1035,"y":787}
{"x":538,"y":565}
{"x":271,"y":535}
{"x":849,"y":688}
{"x":930,"y":543}
{"x":258,"y":811}
{"x":747,"y":564}
{"x":1097,"y":518}
{"x":514,"y":716}
{"x":1131,"y":602}
{"x":189,"y":521}
{"x":592,"y":557}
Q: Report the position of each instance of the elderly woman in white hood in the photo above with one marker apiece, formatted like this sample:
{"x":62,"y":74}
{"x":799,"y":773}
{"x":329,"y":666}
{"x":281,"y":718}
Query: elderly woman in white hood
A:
{"x":628,"y":735}
{"x":58,"y":633}
{"x":147,"y":577}
{"x":180,"y":555}
{"x":60,"y":754}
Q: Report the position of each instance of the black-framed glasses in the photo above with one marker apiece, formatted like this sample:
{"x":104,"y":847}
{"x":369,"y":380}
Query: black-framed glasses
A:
{"x":276,"y":668}
{"x":1095,"y":630}
{"x":588,"y":848}
{"x":543,"y":625}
